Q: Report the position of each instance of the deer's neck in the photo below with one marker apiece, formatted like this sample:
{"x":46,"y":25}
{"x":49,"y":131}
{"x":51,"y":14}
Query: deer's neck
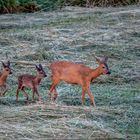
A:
{"x":3,"y":79}
{"x":38,"y":80}
{"x":95,"y":73}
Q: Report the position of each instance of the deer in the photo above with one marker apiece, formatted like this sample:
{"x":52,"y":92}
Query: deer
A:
{"x":3,"y":78}
{"x":79,"y":74}
{"x":31,"y":81}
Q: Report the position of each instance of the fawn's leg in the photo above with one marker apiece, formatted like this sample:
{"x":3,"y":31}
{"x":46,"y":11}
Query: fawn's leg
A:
{"x":18,"y":89}
{"x":36,"y":91}
{"x":33,"y":94}
{"x":17,"y":92}
{"x":25,"y":94}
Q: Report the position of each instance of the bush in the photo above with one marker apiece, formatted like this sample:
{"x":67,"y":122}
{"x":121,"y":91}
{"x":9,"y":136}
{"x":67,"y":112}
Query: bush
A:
{"x":29,"y":5}
{"x":8,"y":3}
{"x":10,"y":6}
{"x":103,"y":3}
{"x":48,"y":5}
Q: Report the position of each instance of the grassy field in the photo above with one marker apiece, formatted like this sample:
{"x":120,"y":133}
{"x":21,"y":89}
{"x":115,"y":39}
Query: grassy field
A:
{"x":73,"y":34}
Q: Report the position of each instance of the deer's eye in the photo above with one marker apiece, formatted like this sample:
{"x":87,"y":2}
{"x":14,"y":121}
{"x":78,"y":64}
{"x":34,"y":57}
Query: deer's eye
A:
{"x":7,"y":70}
{"x":103,"y":67}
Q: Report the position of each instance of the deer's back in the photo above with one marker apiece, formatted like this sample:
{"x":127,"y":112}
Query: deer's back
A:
{"x":26,"y":80}
{"x":69,"y":71}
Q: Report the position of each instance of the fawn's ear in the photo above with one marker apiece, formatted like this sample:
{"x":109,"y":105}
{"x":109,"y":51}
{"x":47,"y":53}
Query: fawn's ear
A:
{"x":40,"y":66}
{"x":8,"y":63}
{"x":3,"y":65}
{"x":38,"y":69}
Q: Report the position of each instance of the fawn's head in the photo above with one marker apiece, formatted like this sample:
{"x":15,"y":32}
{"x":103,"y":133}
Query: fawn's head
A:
{"x":6,"y":68}
{"x":103,"y":65}
{"x":40,"y":71}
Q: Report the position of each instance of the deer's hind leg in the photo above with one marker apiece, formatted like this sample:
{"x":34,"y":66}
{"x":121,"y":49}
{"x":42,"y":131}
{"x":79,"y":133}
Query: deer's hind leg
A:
{"x":17,"y":91}
{"x":55,"y":82}
{"x":37,"y":93}
{"x":25,"y":94}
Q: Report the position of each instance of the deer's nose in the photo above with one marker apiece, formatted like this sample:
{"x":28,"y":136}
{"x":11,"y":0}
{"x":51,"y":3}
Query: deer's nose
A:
{"x":108,"y":72}
{"x":10,"y":72}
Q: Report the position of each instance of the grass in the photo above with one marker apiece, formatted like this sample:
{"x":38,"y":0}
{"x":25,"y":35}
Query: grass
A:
{"x":73,"y":34}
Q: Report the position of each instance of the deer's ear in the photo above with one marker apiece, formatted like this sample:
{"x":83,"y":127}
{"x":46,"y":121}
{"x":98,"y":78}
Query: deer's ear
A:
{"x":38,"y":69}
{"x":105,"y":58}
{"x":40,"y":66}
{"x":3,"y":65}
{"x":8,"y":63}
{"x":98,"y":60}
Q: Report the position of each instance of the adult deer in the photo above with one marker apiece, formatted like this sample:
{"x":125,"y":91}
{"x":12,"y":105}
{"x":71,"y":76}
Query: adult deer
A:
{"x":31,"y":81}
{"x":77,"y":74}
{"x":3,"y":78}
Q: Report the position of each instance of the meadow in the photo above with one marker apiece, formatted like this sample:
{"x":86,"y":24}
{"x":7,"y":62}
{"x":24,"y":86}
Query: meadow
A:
{"x":73,"y":34}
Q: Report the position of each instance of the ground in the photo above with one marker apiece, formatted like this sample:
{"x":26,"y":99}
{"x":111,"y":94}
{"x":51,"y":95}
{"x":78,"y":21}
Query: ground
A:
{"x":73,"y":34}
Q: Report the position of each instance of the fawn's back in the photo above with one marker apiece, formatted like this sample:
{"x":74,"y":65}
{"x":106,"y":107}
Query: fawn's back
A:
{"x":26,"y":80}
{"x":30,"y":81}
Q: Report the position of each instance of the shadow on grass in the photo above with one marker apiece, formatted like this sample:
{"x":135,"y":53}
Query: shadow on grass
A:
{"x":9,"y":101}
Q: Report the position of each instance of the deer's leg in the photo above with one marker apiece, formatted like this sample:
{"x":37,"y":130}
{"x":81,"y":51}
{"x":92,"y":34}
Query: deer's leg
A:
{"x":5,"y":90}
{"x":83,"y":95}
{"x":51,"y":90}
{"x":4,"y":93}
{"x":55,"y":93}
{"x":33,"y":94}
{"x":53,"y":87}
{"x":18,"y":89}
{"x":91,"y":96}
{"x":17,"y":92}
{"x":36,"y":91}
{"x":25,"y":94}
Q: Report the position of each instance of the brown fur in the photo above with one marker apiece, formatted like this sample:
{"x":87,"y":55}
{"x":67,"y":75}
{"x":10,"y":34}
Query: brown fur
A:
{"x":76,"y":74}
{"x":30,"y":81}
{"x":3,"y":78}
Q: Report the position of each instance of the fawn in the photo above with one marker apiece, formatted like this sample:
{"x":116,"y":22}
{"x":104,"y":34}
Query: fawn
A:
{"x":3,"y":78}
{"x":77,"y":74}
{"x":30,"y":81}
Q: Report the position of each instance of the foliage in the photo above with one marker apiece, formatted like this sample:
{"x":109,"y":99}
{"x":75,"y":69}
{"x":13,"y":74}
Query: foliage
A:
{"x":26,"y":2}
{"x":12,"y":6}
{"x":46,"y":5}
{"x":104,"y":3}
{"x":8,"y":3}
{"x":50,"y":4}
